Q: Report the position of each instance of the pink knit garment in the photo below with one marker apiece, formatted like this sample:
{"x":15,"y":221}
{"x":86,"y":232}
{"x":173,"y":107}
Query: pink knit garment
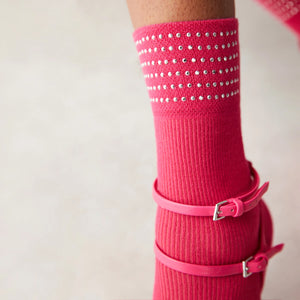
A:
{"x":192,"y":75}
{"x":287,"y":11}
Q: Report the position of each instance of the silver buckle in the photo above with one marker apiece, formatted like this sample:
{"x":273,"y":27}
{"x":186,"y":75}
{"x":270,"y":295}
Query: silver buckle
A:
{"x":217,"y":211}
{"x":245,"y":268}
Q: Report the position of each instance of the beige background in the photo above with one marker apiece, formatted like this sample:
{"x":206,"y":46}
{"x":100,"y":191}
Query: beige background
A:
{"x":77,"y":155}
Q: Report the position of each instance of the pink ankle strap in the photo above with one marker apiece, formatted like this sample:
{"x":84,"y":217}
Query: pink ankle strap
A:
{"x":253,"y":264}
{"x":234,"y":207}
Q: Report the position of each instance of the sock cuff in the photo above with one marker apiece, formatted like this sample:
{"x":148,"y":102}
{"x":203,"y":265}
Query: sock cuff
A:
{"x":190,"y":67}
{"x":194,"y":25}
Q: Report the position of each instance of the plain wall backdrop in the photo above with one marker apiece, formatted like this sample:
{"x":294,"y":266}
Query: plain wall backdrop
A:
{"x":78,"y":156}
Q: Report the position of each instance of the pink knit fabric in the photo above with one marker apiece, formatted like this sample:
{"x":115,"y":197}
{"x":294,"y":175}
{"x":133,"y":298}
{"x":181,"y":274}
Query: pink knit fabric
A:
{"x":287,"y":11}
{"x":192,"y":75}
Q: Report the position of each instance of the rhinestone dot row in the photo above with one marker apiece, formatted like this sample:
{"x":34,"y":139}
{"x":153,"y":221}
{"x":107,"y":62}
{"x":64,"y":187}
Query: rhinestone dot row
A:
{"x":188,"y":34}
{"x":188,"y":73}
{"x":193,"y":98}
{"x":189,"y":85}
{"x":193,"y":60}
{"x":189,"y":47}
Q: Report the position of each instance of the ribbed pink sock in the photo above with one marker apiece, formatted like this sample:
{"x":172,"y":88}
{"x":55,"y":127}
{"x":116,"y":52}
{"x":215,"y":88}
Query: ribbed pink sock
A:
{"x":192,"y":74}
{"x":287,"y":11}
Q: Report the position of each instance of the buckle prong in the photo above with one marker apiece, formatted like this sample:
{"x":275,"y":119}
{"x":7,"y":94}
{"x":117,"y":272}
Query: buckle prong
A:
{"x":217,"y":211}
{"x":245,"y":268}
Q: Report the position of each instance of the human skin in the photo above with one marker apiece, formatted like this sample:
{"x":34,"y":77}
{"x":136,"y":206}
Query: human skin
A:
{"x":144,"y":12}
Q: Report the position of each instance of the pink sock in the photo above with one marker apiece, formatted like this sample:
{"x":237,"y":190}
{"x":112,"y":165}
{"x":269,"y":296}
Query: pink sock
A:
{"x":287,"y":11}
{"x":192,"y":72}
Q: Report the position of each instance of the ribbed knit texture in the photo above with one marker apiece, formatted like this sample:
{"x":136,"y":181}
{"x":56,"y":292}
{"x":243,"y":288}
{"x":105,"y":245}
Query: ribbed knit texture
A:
{"x":192,"y":74}
{"x":287,"y":11}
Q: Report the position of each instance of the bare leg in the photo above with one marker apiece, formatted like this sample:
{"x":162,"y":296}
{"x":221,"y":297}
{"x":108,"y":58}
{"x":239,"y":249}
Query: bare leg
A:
{"x":157,"y":11}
